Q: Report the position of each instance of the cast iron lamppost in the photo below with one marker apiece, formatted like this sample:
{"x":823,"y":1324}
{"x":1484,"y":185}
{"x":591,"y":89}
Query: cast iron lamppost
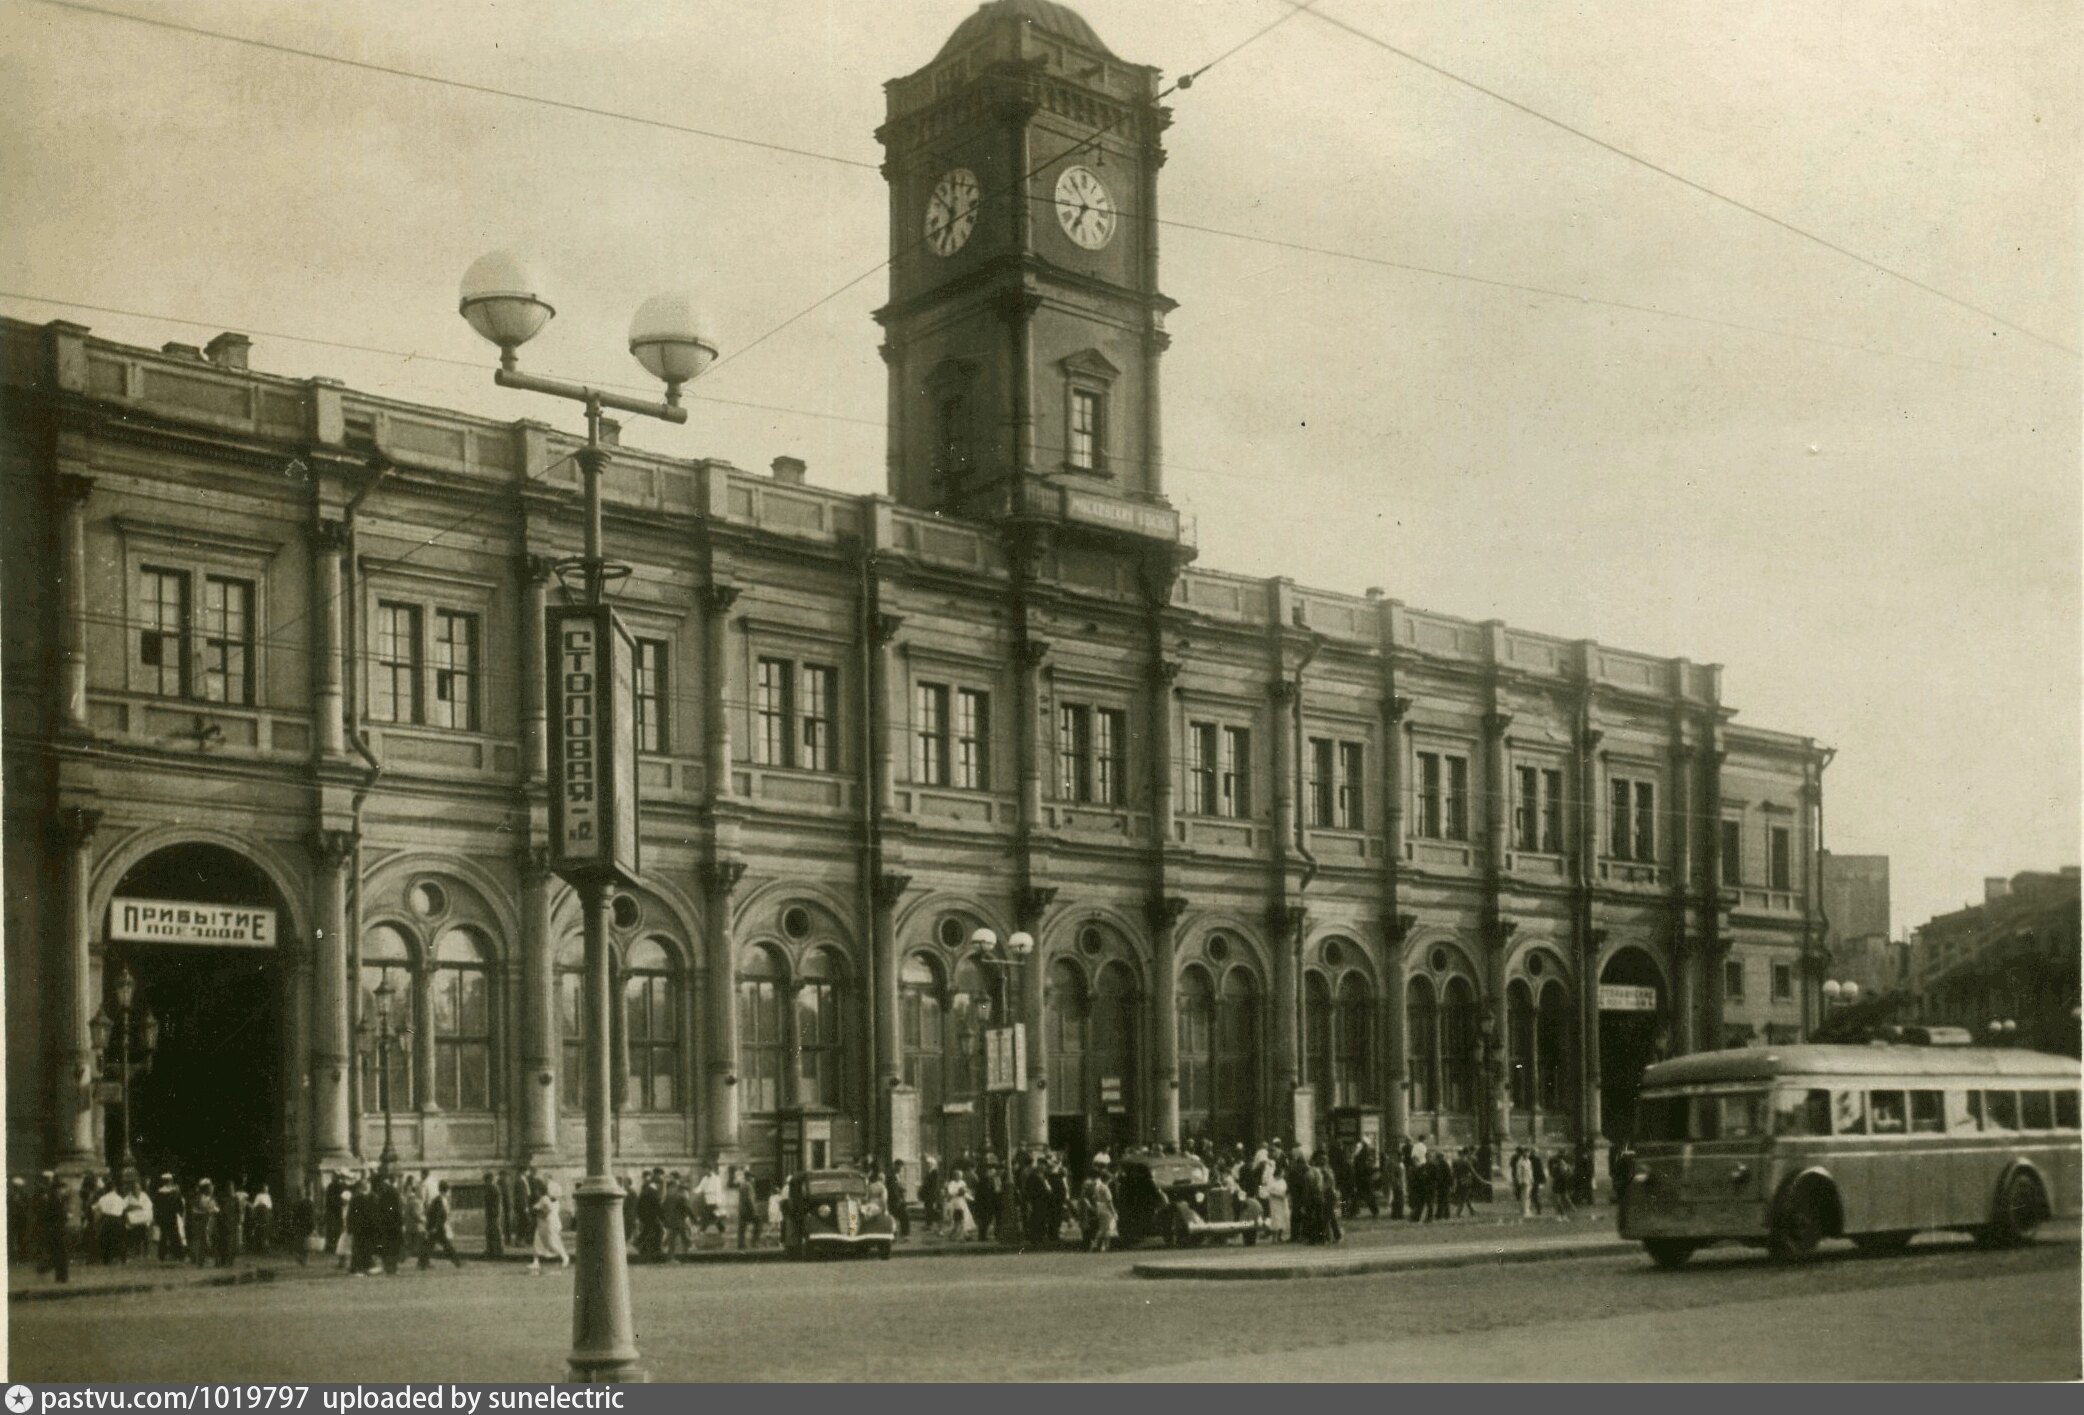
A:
{"x":1006,"y":960}
{"x":123,"y":1024}
{"x":2001,"y":1031}
{"x":499,"y":300}
{"x":380,"y":1043}
{"x":1837,"y":994}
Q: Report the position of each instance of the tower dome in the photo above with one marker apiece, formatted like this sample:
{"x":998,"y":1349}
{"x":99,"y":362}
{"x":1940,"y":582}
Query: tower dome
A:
{"x":1044,"y":16}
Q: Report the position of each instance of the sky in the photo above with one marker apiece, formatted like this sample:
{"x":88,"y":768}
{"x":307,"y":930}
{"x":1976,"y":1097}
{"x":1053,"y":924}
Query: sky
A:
{"x":1859,"y":496}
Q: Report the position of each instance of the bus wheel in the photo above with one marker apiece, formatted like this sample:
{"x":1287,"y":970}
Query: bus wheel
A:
{"x":1669,"y":1252}
{"x":1878,"y":1243}
{"x":1798,"y":1228}
{"x":2019,"y":1211}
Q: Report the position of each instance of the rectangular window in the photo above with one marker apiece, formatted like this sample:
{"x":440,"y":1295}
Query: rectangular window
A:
{"x":1526,"y":812}
{"x":2000,"y":1110}
{"x":1552,"y":812}
{"x":1110,"y":726}
{"x":1783,"y":982}
{"x":930,"y":734}
{"x":1733,"y":980}
{"x":1802,"y":1112}
{"x":1888,"y":1113}
{"x":1353,"y":762}
{"x":2036,"y":1110}
{"x":952,"y":444}
{"x":772,"y":706}
{"x":1927,"y":1113}
{"x":1236,"y":765}
{"x":1457,"y":798}
{"x":817,"y":697}
{"x":1431,"y":822}
{"x":1074,"y":752}
{"x":1322,"y":783}
{"x":162,"y":649}
{"x":972,"y":740}
{"x":654,"y":692}
{"x":227,"y":640}
{"x":1088,"y":417}
{"x":1732,"y":853}
{"x":455,"y":670}
{"x":1782,"y":840}
{"x":1849,"y":1112}
{"x":1201,"y":767}
{"x":1632,"y":820}
{"x":2066,"y":1110}
{"x":1975,"y":1111}
{"x":394,"y":688}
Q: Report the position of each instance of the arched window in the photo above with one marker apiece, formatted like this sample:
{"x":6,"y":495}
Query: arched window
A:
{"x":387,"y":992}
{"x":1113,"y":1036}
{"x":820,"y":1032}
{"x":1318,"y":1041}
{"x":1551,"y":1045}
{"x":1421,"y":1033}
{"x":1236,"y":1109}
{"x":651,"y":1027}
{"x":571,"y":1023}
{"x":1197,"y":1025}
{"x":461,"y":993}
{"x":762,"y":1042}
{"x":925,"y":1038}
{"x":1356,"y":1052}
{"x":1065,"y":1015}
{"x":1458,"y":1046}
{"x":1521,"y":1056}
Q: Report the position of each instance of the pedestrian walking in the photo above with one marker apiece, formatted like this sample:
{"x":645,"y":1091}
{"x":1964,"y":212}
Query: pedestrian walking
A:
{"x":676,"y":1212}
{"x":1101,"y":1221}
{"x":955,"y":1196}
{"x":352,"y":1242}
{"x":549,"y":1229}
{"x":1331,"y":1229}
{"x":53,"y":1207}
{"x":338,"y":1191}
{"x":930,"y":1193}
{"x":900,"y":1200}
{"x":438,"y":1227}
{"x":651,"y":1220}
{"x":1523,"y":1182}
{"x":387,"y":1213}
{"x":108,"y":1226}
{"x":1419,"y":1182}
{"x":1561,"y":1178}
{"x":412,"y":1219}
{"x":1367,"y":1179}
{"x":137,"y":1221}
{"x":1279,"y":1219}
{"x":1539,"y":1180}
{"x":260,"y":1220}
{"x":752,"y":1208}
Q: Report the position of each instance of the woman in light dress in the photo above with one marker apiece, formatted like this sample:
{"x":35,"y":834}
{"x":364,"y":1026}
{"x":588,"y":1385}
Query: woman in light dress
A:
{"x":1276,"y":1190}
{"x":549,"y":1229}
{"x":955,"y":1199}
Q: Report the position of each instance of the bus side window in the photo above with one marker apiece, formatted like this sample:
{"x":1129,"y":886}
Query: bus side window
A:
{"x":1849,"y":1112}
{"x":2065,"y":1110}
{"x":1927,"y":1115}
{"x":1888,"y":1113}
{"x":1975,"y":1110}
{"x":1801,"y":1112}
{"x":2000,"y":1110}
{"x":2037,"y":1110}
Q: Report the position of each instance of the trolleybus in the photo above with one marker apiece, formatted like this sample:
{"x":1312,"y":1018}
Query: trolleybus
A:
{"x":1784,"y":1147}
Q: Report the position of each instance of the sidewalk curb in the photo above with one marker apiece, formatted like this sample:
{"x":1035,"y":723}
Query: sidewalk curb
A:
{"x":1410,"y":1260}
{"x":60,"y":1292}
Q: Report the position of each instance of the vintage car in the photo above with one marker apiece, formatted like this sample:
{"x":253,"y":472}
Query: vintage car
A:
{"x":1171,"y":1197}
{"x":829,"y":1211}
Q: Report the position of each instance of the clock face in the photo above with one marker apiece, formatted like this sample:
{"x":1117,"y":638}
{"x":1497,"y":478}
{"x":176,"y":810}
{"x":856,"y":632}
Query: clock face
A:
{"x":1085,"y":208}
{"x":951,"y":212}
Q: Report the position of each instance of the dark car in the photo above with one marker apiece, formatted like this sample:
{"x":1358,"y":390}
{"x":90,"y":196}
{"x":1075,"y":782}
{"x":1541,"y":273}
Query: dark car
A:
{"x":829,"y":1211}
{"x":1172,"y":1197}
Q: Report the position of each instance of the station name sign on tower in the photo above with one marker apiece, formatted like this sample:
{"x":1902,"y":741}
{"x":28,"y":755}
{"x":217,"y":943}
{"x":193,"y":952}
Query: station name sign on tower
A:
{"x":593,"y":743}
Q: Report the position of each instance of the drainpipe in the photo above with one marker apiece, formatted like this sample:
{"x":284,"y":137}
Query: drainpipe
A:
{"x":1312,"y":644}
{"x":383,"y":467}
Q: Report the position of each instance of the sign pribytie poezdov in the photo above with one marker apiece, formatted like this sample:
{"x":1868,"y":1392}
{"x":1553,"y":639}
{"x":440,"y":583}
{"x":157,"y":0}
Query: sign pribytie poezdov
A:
{"x":178,"y":921}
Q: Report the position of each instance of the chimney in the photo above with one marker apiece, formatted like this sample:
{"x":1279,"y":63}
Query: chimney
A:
{"x":611,"y":433}
{"x":789,"y":470}
{"x":1995,"y":887}
{"x":181,"y":351}
{"x":228,"y":350}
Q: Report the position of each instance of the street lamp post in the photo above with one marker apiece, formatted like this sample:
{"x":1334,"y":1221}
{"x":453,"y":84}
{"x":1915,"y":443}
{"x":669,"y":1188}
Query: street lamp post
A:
{"x":2002,"y":1030}
{"x":122,"y":1025}
{"x":500,"y":301}
{"x":1006,"y":961}
{"x":380,"y":1043}
{"x":1837,"y":994}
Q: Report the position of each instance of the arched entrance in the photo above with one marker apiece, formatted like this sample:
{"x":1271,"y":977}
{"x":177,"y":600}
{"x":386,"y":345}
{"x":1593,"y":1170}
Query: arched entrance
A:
{"x":204,"y":1021}
{"x":1632,"y":1008}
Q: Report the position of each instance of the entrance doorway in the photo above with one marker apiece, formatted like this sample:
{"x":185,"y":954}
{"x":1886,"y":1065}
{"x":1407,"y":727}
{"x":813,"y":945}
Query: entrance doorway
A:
{"x":1629,"y":1038}
{"x":208,"y":1098}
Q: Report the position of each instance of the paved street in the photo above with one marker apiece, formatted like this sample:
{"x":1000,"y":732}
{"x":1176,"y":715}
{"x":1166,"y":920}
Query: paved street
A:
{"x":1943,"y":1310}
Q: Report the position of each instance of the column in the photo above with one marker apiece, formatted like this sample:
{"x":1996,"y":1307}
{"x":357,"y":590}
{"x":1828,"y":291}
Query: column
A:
{"x":1163,"y":915}
{"x":331,"y":853}
{"x":889,"y":1057}
{"x":1496,"y":803}
{"x":71,"y":493}
{"x":1396,"y":1095}
{"x":1032,"y":903}
{"x":1497,"y":1094}
{"x":1286,"y":921}
{"x":720,"y":1034}
{"x":328,"y":671}
{"x":73,"y":1001}
{"x":535,"y":727}
{"x":881,"y":787}
{"x":1027,"y":730}
{"x":1687,"y":1008}
{"x":1590,"y":1123}
{"x":717,"y":691}
{"x":542,"y":1049}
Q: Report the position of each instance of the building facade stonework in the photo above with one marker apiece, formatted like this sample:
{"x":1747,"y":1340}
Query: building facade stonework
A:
{"x":1295,"y":861}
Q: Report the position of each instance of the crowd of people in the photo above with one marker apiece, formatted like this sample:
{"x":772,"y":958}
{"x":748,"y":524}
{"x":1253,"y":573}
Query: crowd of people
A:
{"x":377,"y":1219}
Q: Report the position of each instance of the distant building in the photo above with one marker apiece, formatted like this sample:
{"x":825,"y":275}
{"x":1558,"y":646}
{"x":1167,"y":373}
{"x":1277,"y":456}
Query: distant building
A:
{"x":2012,"y":957}
{"x":1856,"y":924}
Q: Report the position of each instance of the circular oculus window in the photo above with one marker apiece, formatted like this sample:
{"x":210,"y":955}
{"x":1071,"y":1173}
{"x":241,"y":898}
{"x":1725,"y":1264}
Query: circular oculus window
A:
{"x":795,"y":921}
{"x":427,"y":899}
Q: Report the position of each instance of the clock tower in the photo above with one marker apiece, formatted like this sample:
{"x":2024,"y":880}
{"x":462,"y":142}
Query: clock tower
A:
{"x":1025,"y":324}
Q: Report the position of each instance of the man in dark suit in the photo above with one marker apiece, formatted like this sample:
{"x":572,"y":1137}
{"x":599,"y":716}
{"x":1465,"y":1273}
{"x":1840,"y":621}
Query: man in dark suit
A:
{"x":336,"y":1211}
{"x":387,"y":1220}
{"x":651,"y":1219}
{"x":495,"y":1216}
